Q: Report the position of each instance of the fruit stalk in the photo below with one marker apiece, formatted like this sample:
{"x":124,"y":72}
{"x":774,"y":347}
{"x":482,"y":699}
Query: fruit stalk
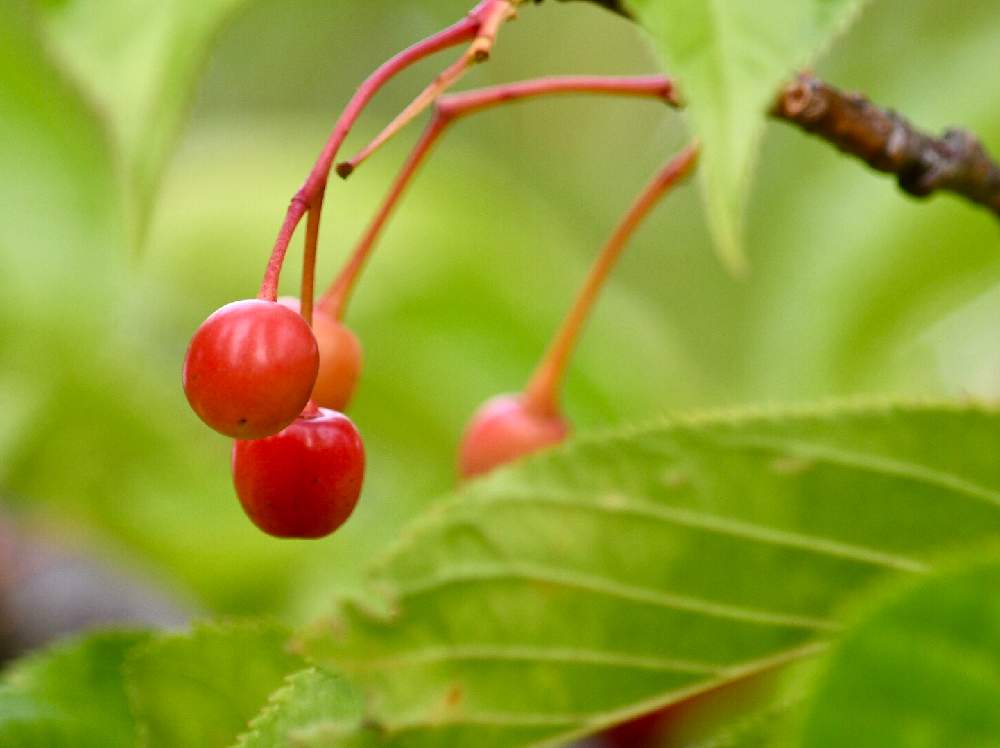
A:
{"x":464,"y":30}
{"x":455,"y":106}
{"x":309,"y":259}
{"x":493,"y":16}
{"x":334,"y":301}
{"x":541,"y":395}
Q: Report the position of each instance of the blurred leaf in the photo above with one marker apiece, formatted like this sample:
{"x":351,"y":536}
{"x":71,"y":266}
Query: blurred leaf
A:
{"x":58,"y":200}
{"x":71,"y":696}
{"x":921,"y":669}
{"x":618,"y":575}
{"x":308,"y":697}
{"x":202,"y":688}
{"x":138,"y":61}
{"x":729,"y":59}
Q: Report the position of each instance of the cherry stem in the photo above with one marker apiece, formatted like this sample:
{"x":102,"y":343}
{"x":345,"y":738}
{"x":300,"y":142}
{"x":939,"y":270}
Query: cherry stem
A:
{"x":458,"y":33}
{"x":309,"y":259}
{"x":541,"y":395}
{"x":492,"y":17}
{"x":455,"y":106}
{"x":334,"y":301}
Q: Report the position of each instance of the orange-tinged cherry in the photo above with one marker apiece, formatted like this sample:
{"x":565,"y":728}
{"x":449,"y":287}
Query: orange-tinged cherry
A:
{"x":340,"y":358}
{"x":250,"y":368}
{"x":303,"y":482}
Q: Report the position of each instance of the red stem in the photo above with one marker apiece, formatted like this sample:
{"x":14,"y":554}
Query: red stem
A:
{"x":334,"y":301}
{"x":455,"y":106}
{"x":467,"y":102}
{"x":464,"y":30}
{"x":541,"y":394}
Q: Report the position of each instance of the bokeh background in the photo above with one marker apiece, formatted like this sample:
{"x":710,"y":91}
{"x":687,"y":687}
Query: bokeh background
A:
{"x":108,"y":262}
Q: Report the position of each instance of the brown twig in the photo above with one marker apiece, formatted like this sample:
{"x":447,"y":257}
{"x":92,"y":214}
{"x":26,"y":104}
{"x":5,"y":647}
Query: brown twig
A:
{"x":955,"y":162}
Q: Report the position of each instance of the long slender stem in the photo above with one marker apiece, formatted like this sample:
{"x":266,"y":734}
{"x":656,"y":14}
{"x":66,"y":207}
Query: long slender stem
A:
{"x":467,"y":102}
{"x":448,"y":77}
{"x":463,"y":31}
{"x":334,"y":301}
{"x":309,"y":259}
{"x":453,"y":107}
{"x":492,"y":17}
{"x":541,"y":394}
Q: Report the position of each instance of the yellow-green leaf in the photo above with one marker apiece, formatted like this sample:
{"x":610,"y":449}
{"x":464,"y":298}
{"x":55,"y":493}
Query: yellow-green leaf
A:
{"x":730,"y":57}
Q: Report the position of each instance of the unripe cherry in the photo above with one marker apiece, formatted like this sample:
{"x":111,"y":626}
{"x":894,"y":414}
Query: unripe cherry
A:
{"x":504,"y":429}
{"x":303,"y":482}
{"x":250,"y":368}
{"x":340,"y":358}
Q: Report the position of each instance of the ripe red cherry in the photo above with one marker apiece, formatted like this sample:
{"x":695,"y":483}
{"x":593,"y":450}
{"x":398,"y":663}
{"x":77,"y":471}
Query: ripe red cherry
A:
{"x":339,"y":358}
{"x":250,"y":368}
{"x":305,"y":481}
{"x":504,"y":429}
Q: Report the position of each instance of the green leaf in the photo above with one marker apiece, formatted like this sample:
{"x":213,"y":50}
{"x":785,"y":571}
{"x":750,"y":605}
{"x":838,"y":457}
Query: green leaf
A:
{"x":71,"y":695}
{"x":202,"y":688}
{"x":730,"y":58}
{"x":757,"y":729}
{"x":921,"y":669}
{"x":621,"y":574}
{"x":308,"y":698}
{"x":138,"y":61}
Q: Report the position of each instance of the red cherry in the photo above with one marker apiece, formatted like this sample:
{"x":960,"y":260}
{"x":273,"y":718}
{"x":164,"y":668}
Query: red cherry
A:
{"x":305,"y":481}
{"x":339,"y":358}
{"x":504,"y":429}
{"x":250,"y":368}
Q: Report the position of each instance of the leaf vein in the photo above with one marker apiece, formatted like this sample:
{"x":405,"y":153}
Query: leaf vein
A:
{"x":473,"y":573}
{"x":717,"y":524}
{"x":528,"y":653}
{"x":888,"y":466}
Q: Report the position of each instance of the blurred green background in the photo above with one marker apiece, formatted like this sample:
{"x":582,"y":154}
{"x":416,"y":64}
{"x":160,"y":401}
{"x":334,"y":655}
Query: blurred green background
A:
{"x":854,"y":289}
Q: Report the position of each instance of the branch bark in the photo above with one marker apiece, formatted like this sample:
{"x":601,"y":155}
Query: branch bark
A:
{"x":954,"y":162}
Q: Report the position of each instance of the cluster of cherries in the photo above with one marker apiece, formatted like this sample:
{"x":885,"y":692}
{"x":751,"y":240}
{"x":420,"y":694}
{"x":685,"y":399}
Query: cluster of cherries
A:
{"x":276,"y":374}
{"x":253,"y":373}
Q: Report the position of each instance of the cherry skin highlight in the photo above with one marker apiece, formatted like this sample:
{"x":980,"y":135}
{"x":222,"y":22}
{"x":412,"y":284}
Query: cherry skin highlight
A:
{"x":340,"y":358}
{"x":503,"y":430}
{"x":250,"y":368}
{"x":303,"y":482}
